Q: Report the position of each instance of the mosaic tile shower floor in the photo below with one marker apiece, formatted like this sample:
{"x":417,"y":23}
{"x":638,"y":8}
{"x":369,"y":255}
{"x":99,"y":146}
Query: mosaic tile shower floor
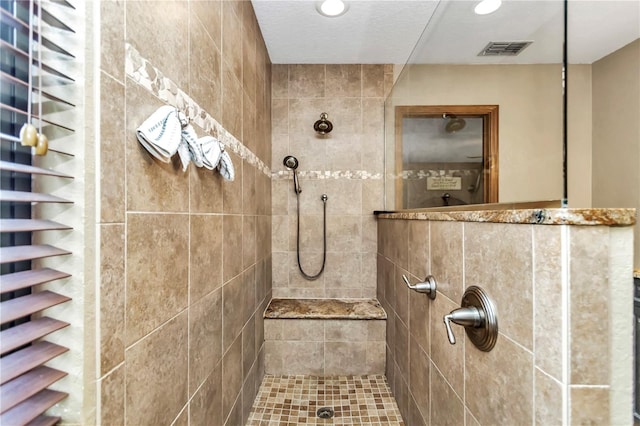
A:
{"x":294,"y":400}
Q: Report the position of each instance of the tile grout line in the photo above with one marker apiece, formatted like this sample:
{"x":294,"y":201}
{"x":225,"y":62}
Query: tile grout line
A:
{"x":566,"y":309}
{"x":533,"y":322}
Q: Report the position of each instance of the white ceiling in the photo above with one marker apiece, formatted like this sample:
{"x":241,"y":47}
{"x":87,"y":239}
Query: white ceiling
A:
{"x":386,"y":31}
{"x":371,"y":32}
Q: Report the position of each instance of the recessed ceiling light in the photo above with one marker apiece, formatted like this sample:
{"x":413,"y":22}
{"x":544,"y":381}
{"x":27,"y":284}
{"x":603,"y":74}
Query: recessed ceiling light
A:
{"x":331,"y":8}
{"x":486,"y":7}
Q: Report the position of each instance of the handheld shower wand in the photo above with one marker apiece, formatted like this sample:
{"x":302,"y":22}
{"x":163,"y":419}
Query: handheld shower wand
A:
{"x":291,"y":162}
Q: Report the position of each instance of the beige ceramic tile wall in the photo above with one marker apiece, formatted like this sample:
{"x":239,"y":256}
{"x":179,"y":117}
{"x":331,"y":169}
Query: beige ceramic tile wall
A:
{"x":521,"y":380}
{"x":353,"y":96}
{"x":324,"y":347}
{"x":185,"y":257}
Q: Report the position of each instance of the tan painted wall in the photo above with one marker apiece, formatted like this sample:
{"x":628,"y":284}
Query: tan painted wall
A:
{"x":530,"y":100}
{"x":616,"y":131}
{"x":579,"y":179}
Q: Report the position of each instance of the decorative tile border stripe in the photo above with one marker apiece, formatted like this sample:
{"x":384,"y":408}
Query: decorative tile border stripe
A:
{"x":326,"y":174}
{"x":421,"y":174}
{"x":152,"y":79}
{"x":366,"y":175}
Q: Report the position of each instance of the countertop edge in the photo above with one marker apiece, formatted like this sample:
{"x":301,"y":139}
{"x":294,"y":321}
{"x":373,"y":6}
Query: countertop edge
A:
{"x":542,"y":216}
{"x":330,"y":308}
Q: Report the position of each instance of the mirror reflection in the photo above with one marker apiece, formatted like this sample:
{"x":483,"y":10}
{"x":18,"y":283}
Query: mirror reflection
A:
{"x":448,"y":67}
{"x":511,"y":59}
{"x":443,"y":152}
{"x":450,"y":146}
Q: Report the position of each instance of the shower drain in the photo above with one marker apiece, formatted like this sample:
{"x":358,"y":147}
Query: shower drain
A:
{"x":325,"y":412}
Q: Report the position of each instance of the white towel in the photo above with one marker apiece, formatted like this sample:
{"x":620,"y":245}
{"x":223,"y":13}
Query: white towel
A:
{"x":210,"y":148}
{"x":160,"y":134}
{"x":168,"y":131}
{"x":189,"y":149}
{"x":225,"y":166}
{"x":185,"y":155}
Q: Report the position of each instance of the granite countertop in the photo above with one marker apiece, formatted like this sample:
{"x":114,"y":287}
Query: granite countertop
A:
{"x":540,"y":216}
{"x":325,"y":309}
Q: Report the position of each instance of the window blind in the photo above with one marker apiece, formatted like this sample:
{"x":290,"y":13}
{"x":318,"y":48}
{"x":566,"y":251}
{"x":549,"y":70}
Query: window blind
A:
{"x":36,"y":41}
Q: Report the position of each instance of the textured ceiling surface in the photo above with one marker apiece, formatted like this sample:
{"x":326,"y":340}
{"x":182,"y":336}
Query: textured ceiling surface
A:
{"x":387,"y":31}
{"x":370,"y":31}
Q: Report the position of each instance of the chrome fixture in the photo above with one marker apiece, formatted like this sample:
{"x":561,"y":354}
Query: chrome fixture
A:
{"x":323,"y":126}
{"x":479,"y":318}
{"x":325,"y":412}
{"x":291,"y":162}
{"x":454,"y":123}
{"x":428,"y":286}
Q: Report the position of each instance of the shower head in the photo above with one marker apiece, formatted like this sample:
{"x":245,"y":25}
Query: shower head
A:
{"x":454,"y":123}
{"x":323,"y":126}
{"x":290,"y":162}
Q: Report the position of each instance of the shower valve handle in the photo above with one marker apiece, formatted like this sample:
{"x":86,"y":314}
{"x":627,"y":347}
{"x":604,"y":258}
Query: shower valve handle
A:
{"x":466,"y":317}
{"x":428,"y":286}
{"x":478,"y":316}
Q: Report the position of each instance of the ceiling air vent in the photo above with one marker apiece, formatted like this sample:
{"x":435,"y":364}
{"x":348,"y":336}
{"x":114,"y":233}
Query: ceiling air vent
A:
{"x":504,"y":48}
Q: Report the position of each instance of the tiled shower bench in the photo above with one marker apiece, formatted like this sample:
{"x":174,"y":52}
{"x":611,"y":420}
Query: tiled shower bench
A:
{"x":324,"y":337}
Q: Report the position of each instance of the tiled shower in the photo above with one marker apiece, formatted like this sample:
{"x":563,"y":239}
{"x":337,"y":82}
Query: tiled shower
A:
{"x":346,"y":164}
{"x":204,"y":273}
{"x":188,"y":263}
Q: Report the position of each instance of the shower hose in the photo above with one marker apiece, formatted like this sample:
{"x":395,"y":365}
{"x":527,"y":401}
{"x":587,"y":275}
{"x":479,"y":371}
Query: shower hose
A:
{"x":309,"y":277}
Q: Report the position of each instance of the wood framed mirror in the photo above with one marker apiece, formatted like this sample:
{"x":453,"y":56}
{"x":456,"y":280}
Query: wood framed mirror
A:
{"x":445,"y":154}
